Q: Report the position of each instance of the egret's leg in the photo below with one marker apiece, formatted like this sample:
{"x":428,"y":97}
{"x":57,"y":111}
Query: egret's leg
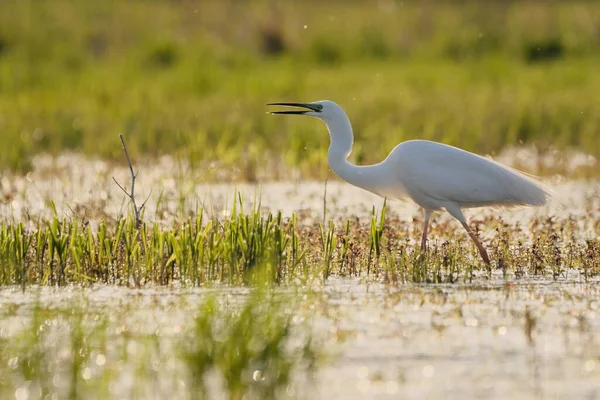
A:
{"x":456,"y":212}
{"x":473,"y":236}
{"x":426,"y":217}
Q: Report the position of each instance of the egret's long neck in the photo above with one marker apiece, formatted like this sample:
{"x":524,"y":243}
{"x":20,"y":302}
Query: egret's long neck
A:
{"x":342,"y":138}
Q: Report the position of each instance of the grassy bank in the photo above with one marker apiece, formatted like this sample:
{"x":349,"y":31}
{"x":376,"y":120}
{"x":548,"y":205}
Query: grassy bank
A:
{"x":191,"y":79}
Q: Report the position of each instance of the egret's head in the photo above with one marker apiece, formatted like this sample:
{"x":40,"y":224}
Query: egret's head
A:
{"x":324,"y":109}
{"x":336,"y":119}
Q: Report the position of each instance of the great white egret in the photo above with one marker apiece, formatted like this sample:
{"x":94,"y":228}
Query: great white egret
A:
{"x":433,"y":175}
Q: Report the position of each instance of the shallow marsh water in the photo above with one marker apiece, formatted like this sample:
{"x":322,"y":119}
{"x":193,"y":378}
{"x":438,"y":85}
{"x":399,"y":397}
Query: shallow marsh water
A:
{"x":497,"y":337}
{"x":500,"y":339}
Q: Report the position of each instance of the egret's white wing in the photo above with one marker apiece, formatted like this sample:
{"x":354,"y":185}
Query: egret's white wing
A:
{"x":442,"y":173}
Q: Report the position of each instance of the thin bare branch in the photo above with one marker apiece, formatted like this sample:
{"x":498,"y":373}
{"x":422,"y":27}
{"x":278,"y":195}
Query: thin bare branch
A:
{"x":145,"y":201}
{"x":131,"y":195}
{"x":121,"y":187}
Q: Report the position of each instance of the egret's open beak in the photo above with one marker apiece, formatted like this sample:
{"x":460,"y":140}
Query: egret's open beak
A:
{"x":310,"y":107}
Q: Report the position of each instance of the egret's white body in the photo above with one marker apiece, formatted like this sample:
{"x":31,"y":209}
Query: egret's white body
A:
{"x":433,"y":175}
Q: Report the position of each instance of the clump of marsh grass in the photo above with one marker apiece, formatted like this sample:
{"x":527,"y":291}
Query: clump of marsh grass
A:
{"x":250,"y":247}
{"x":241,"y":249}
{"x":252,"y":349}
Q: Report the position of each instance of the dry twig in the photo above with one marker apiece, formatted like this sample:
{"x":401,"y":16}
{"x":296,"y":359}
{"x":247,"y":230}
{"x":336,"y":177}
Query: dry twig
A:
{"x":136,"y":211}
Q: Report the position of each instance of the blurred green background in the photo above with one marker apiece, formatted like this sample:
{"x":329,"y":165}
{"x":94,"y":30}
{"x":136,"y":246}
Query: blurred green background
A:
{"x":191,"y":78}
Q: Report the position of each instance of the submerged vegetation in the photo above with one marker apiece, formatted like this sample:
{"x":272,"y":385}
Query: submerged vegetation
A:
{"x":191,"y":79}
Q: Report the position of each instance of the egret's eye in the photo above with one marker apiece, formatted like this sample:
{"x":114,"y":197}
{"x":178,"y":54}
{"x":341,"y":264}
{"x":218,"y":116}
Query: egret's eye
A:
{"x":319,"y":107}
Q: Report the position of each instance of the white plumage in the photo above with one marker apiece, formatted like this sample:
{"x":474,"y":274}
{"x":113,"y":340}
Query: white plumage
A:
{"x":433,"y":175}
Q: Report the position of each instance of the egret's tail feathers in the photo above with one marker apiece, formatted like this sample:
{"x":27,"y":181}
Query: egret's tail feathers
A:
{"x":516,"y":189}
{"x":528,"y":191}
